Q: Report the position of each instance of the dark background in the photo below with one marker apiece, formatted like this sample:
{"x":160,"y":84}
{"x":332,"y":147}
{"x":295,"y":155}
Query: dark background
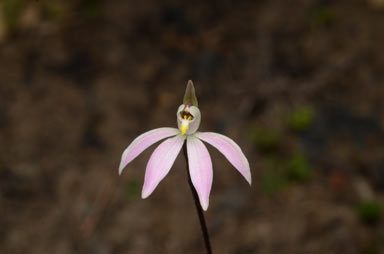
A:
{"x":298,"y":84}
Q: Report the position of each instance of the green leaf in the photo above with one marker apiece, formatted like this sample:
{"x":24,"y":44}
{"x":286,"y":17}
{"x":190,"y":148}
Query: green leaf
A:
{"x":324,"y":15}
{"x":271,"y":180}
{"x":266,"y":139}
{"x":11,"y":11}
{"x":369,"y":211}
{"x":301,"y":118}
{"x":298,"y":168}
{"x":132,"y":189}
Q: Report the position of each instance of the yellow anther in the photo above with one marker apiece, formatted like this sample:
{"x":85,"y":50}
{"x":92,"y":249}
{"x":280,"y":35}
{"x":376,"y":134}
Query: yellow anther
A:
{"x":184,"y":126}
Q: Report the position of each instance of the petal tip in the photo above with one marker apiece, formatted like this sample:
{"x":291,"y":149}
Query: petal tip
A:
{"x":204,"y":204}
{"x":121,"y":170}
{"x":249,"y":175}
{"x":145,"y":194}
{"x":122,"y":166}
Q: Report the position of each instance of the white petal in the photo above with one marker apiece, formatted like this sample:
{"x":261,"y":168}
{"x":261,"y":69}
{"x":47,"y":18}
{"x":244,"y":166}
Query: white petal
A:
{"x":160,"y":163}
{"x":230,"y":150}
{"x":200,"y":169}
{"x":142,"y":142}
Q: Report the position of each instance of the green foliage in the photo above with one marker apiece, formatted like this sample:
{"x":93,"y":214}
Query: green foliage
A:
{"x":369,"y":211}
{"x":272,"y":181}
{"x":12,"y":10}
{"x":324,"y":15}
{"x":301,"y":118}
{"x":91,"y":9}
{"x":297,"y":168}
{"x":279,"y":173}
{"x":132,"y":189}
{"x":265,"y":139}
{"x":373,"y":248}
{"x":53,"y":9}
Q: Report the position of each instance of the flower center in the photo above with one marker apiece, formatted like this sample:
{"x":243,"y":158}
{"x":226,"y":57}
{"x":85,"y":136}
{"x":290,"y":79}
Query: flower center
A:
{"x":184,"y":126}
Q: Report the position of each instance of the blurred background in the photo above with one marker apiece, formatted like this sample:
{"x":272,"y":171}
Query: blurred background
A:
{"x":298,"y":84}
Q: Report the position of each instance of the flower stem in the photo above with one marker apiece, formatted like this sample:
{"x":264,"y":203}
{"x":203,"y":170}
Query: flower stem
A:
{"x":199,"y":210}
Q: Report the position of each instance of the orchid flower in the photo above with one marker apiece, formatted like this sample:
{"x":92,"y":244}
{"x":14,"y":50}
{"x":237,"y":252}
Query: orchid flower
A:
{"x":200,"y":164}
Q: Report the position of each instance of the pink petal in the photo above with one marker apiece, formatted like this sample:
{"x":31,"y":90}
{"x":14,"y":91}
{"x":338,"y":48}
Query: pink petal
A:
{"x":160,"y":163}
{"x":230,"y":150}
{"x":200,"y":169}
{"x":142,"y":142}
